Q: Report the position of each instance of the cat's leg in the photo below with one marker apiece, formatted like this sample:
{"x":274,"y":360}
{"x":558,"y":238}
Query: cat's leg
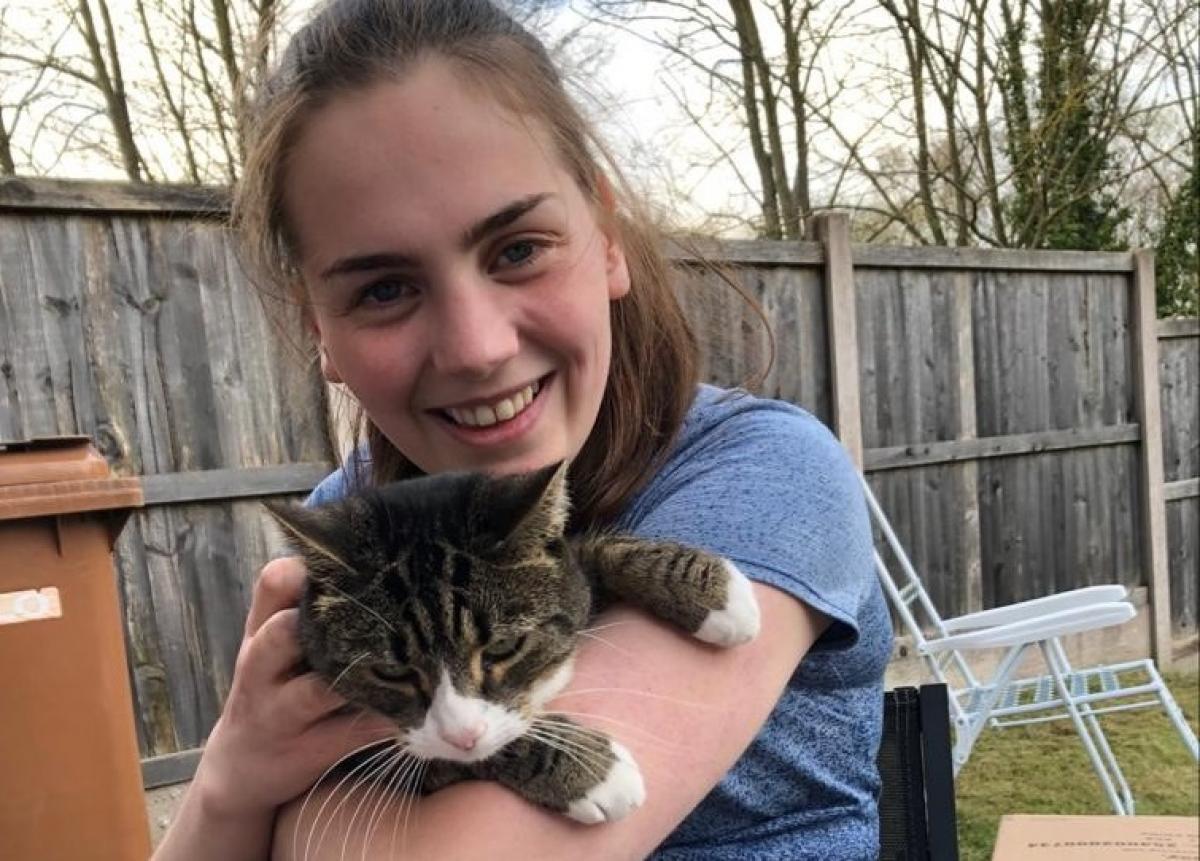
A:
{"x":562,"y":766}
{"x":701,"y":593}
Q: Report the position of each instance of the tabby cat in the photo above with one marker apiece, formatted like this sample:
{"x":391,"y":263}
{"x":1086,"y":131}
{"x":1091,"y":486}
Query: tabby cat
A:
{"x":454,"y":604}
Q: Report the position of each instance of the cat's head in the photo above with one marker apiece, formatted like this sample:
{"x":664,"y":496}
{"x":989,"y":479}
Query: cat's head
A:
{"x":448,"y":603}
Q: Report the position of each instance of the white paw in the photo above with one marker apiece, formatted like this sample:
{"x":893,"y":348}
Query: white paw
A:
{"x":616,"y":797}
{"x":739,"y":622}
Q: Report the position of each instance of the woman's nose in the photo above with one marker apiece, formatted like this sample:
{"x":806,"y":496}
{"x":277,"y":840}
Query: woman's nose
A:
{"x":475,"y":333}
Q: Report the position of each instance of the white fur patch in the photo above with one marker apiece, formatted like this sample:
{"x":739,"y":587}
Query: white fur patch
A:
{"x":548,"y":688}
{"x":739,"y":621}
{"x":619,"y":794}
{"x":451,"y":712}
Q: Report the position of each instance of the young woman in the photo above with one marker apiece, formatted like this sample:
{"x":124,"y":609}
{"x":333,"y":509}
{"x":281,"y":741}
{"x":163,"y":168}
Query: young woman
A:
{"x":418,"y":178}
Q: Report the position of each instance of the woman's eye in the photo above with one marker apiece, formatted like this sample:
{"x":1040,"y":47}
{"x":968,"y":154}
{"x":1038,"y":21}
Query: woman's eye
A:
{"x":519,"y":253}
{"x":384,"y":292}
{"x":502,"y":649}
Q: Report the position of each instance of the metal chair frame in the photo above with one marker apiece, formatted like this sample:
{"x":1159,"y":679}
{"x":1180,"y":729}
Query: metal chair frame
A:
{"x":1003,"y":700}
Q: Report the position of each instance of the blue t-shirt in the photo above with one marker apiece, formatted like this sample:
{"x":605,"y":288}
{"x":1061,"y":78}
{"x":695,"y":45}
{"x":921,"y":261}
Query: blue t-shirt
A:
{"x":766,"y":485}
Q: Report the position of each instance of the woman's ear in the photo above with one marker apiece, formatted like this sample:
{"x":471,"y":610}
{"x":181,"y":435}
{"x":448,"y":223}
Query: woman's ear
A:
{"x":615,"y":264}
{"x":328,"y":371}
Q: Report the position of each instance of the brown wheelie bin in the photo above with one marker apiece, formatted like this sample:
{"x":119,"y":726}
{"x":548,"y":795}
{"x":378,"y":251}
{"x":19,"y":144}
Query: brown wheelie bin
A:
{"x":70,"y":782}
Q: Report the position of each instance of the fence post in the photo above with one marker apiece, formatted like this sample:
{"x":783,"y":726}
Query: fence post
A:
{"x":968,"y":471}
{"x":1151,"y":491}
{"x":832,"y":230}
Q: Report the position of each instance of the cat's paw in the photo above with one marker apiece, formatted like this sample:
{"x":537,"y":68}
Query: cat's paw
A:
{"x":739,"y":621}
{"x":615,"y":797}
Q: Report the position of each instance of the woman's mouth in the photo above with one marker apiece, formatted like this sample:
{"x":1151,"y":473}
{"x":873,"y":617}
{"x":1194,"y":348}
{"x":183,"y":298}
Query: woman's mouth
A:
{"x":503,"y":410}
{"x":500,"y":421}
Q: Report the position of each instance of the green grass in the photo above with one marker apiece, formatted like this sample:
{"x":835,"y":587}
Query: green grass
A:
{"x":1043,"y":769}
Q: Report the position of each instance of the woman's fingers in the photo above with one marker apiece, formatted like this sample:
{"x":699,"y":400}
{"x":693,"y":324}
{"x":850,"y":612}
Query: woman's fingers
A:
{"x":278,"y":587}
{"x":342,"y":734}
{"x":309,"y":697}
{"x":271,"y":654}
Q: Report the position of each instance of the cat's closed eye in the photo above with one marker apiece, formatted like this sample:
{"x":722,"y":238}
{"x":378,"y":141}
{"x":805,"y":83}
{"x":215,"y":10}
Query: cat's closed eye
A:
{"x":396,"y":675}
{"x":502,"y":648}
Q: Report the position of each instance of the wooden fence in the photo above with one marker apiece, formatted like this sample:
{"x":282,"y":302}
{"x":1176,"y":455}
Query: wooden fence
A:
{"x":1026,"y":422}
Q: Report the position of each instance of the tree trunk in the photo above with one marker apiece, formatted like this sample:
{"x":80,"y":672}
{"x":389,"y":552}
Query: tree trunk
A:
{"x":112,"y":87}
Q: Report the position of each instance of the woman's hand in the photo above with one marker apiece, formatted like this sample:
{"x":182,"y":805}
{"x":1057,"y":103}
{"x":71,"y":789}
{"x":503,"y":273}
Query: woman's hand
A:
{"x":278,"y":733}
{"x":279,"y":730}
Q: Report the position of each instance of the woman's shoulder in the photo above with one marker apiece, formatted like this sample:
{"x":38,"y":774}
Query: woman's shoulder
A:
{"x":354,"y":473}
{"x":730,"y":435}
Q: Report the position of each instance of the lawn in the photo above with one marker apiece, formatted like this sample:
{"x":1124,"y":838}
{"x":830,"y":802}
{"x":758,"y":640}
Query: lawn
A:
{"x":1044,"y":769}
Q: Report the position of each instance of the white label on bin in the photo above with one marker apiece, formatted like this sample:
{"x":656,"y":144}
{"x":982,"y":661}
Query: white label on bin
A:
{"x":31,"y":605}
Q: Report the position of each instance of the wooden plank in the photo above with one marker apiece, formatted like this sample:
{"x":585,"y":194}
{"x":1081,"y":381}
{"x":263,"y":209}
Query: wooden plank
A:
{"x":1143,"y":325}
{"x":170,"y":768}
{"x":833,"y":231}
{"x":795,"y":304}
{"x":1188,"y":488}
{"x":1178,"y":369}
{"x":237,"y":483}
{"x":1183,"y":531}
{"x":962,"y":334}
{"x":954,"y":451}
{"x":51,"y":195}
{"x":28,"y":194}
{"x":1182,"y":327}
{"x":744,"y":252}
{"x":1015,"y":260}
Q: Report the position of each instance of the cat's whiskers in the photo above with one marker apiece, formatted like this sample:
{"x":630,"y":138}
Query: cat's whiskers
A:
{"x":347,"y":669}
{"x":609,"y":643}
{"x":366,"y":764}
{"x":325,"y":584}
{"x":585,"y":743}
{"x":371,"y":780}
{"x":411,"y":800}
{"x":582,"y":733}
{"x":673,"y":700}
{"x":383,"y":784}
{"x":643,"y":733}
{"x":592,"y":630}
{"x":386,"y":797}
{"x":584,"y":759}
{"x":308,"y":796}
{"x":408,"y":790}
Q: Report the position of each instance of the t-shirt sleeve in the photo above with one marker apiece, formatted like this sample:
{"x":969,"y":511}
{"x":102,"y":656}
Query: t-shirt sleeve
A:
{"x":351,"y":475}
{"x":772,"y":490}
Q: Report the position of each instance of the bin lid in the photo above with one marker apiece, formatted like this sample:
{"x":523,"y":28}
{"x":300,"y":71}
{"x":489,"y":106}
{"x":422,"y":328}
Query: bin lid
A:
{"x":59,"y":475}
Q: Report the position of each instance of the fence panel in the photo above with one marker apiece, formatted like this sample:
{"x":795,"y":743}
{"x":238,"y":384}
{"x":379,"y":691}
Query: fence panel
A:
{"x":1179,"y":373}
{"x":998,"y":410}
{"x":139,"y":332}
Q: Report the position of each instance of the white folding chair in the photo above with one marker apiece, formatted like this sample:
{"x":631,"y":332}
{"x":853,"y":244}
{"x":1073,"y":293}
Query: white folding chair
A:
{"x":1062,"y":692}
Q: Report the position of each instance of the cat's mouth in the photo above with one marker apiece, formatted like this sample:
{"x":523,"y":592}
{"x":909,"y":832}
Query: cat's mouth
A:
{"x":499,"y":412}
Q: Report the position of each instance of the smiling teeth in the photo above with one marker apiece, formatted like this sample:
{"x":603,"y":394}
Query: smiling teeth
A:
{"x":501,"y":411}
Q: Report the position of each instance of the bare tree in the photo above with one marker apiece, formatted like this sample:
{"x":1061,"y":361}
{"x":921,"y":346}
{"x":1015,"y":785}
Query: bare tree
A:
{"x":760,"y":63}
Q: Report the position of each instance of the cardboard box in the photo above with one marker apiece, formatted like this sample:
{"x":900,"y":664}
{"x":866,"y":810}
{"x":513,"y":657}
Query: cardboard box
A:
{"x":1098,"y":838}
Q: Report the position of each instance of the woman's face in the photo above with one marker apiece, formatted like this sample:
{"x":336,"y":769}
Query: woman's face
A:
{"x":460,"y":281}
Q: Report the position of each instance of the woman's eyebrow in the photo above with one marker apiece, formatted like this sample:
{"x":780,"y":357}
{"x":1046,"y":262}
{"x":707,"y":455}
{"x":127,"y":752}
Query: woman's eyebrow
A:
{"x":503,"y":217}
{"x":385,"y":260}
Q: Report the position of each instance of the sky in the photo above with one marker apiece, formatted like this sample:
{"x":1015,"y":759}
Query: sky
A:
{"x":638,"y":118}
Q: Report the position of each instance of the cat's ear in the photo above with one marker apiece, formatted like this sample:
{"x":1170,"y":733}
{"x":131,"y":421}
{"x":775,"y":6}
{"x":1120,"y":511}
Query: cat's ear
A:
{"x":530,"y":508}
{"x":317,"y":535}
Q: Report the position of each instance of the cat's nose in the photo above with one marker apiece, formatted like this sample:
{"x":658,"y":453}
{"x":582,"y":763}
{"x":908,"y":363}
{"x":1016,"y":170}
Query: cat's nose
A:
{"x":463,"y":738}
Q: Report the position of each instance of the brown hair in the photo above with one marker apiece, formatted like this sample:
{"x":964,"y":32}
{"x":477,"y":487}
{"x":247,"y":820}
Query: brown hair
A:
{"x":351,"y":44}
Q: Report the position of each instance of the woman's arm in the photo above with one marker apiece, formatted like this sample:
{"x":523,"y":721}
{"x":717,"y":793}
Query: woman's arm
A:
{"x":687,"y":711}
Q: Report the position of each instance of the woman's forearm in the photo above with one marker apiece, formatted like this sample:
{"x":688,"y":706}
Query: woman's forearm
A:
{"x":205,"y":829}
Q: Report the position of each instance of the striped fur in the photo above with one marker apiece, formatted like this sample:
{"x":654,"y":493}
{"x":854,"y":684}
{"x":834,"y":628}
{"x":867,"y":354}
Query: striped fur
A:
{"x":454,"y":604}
